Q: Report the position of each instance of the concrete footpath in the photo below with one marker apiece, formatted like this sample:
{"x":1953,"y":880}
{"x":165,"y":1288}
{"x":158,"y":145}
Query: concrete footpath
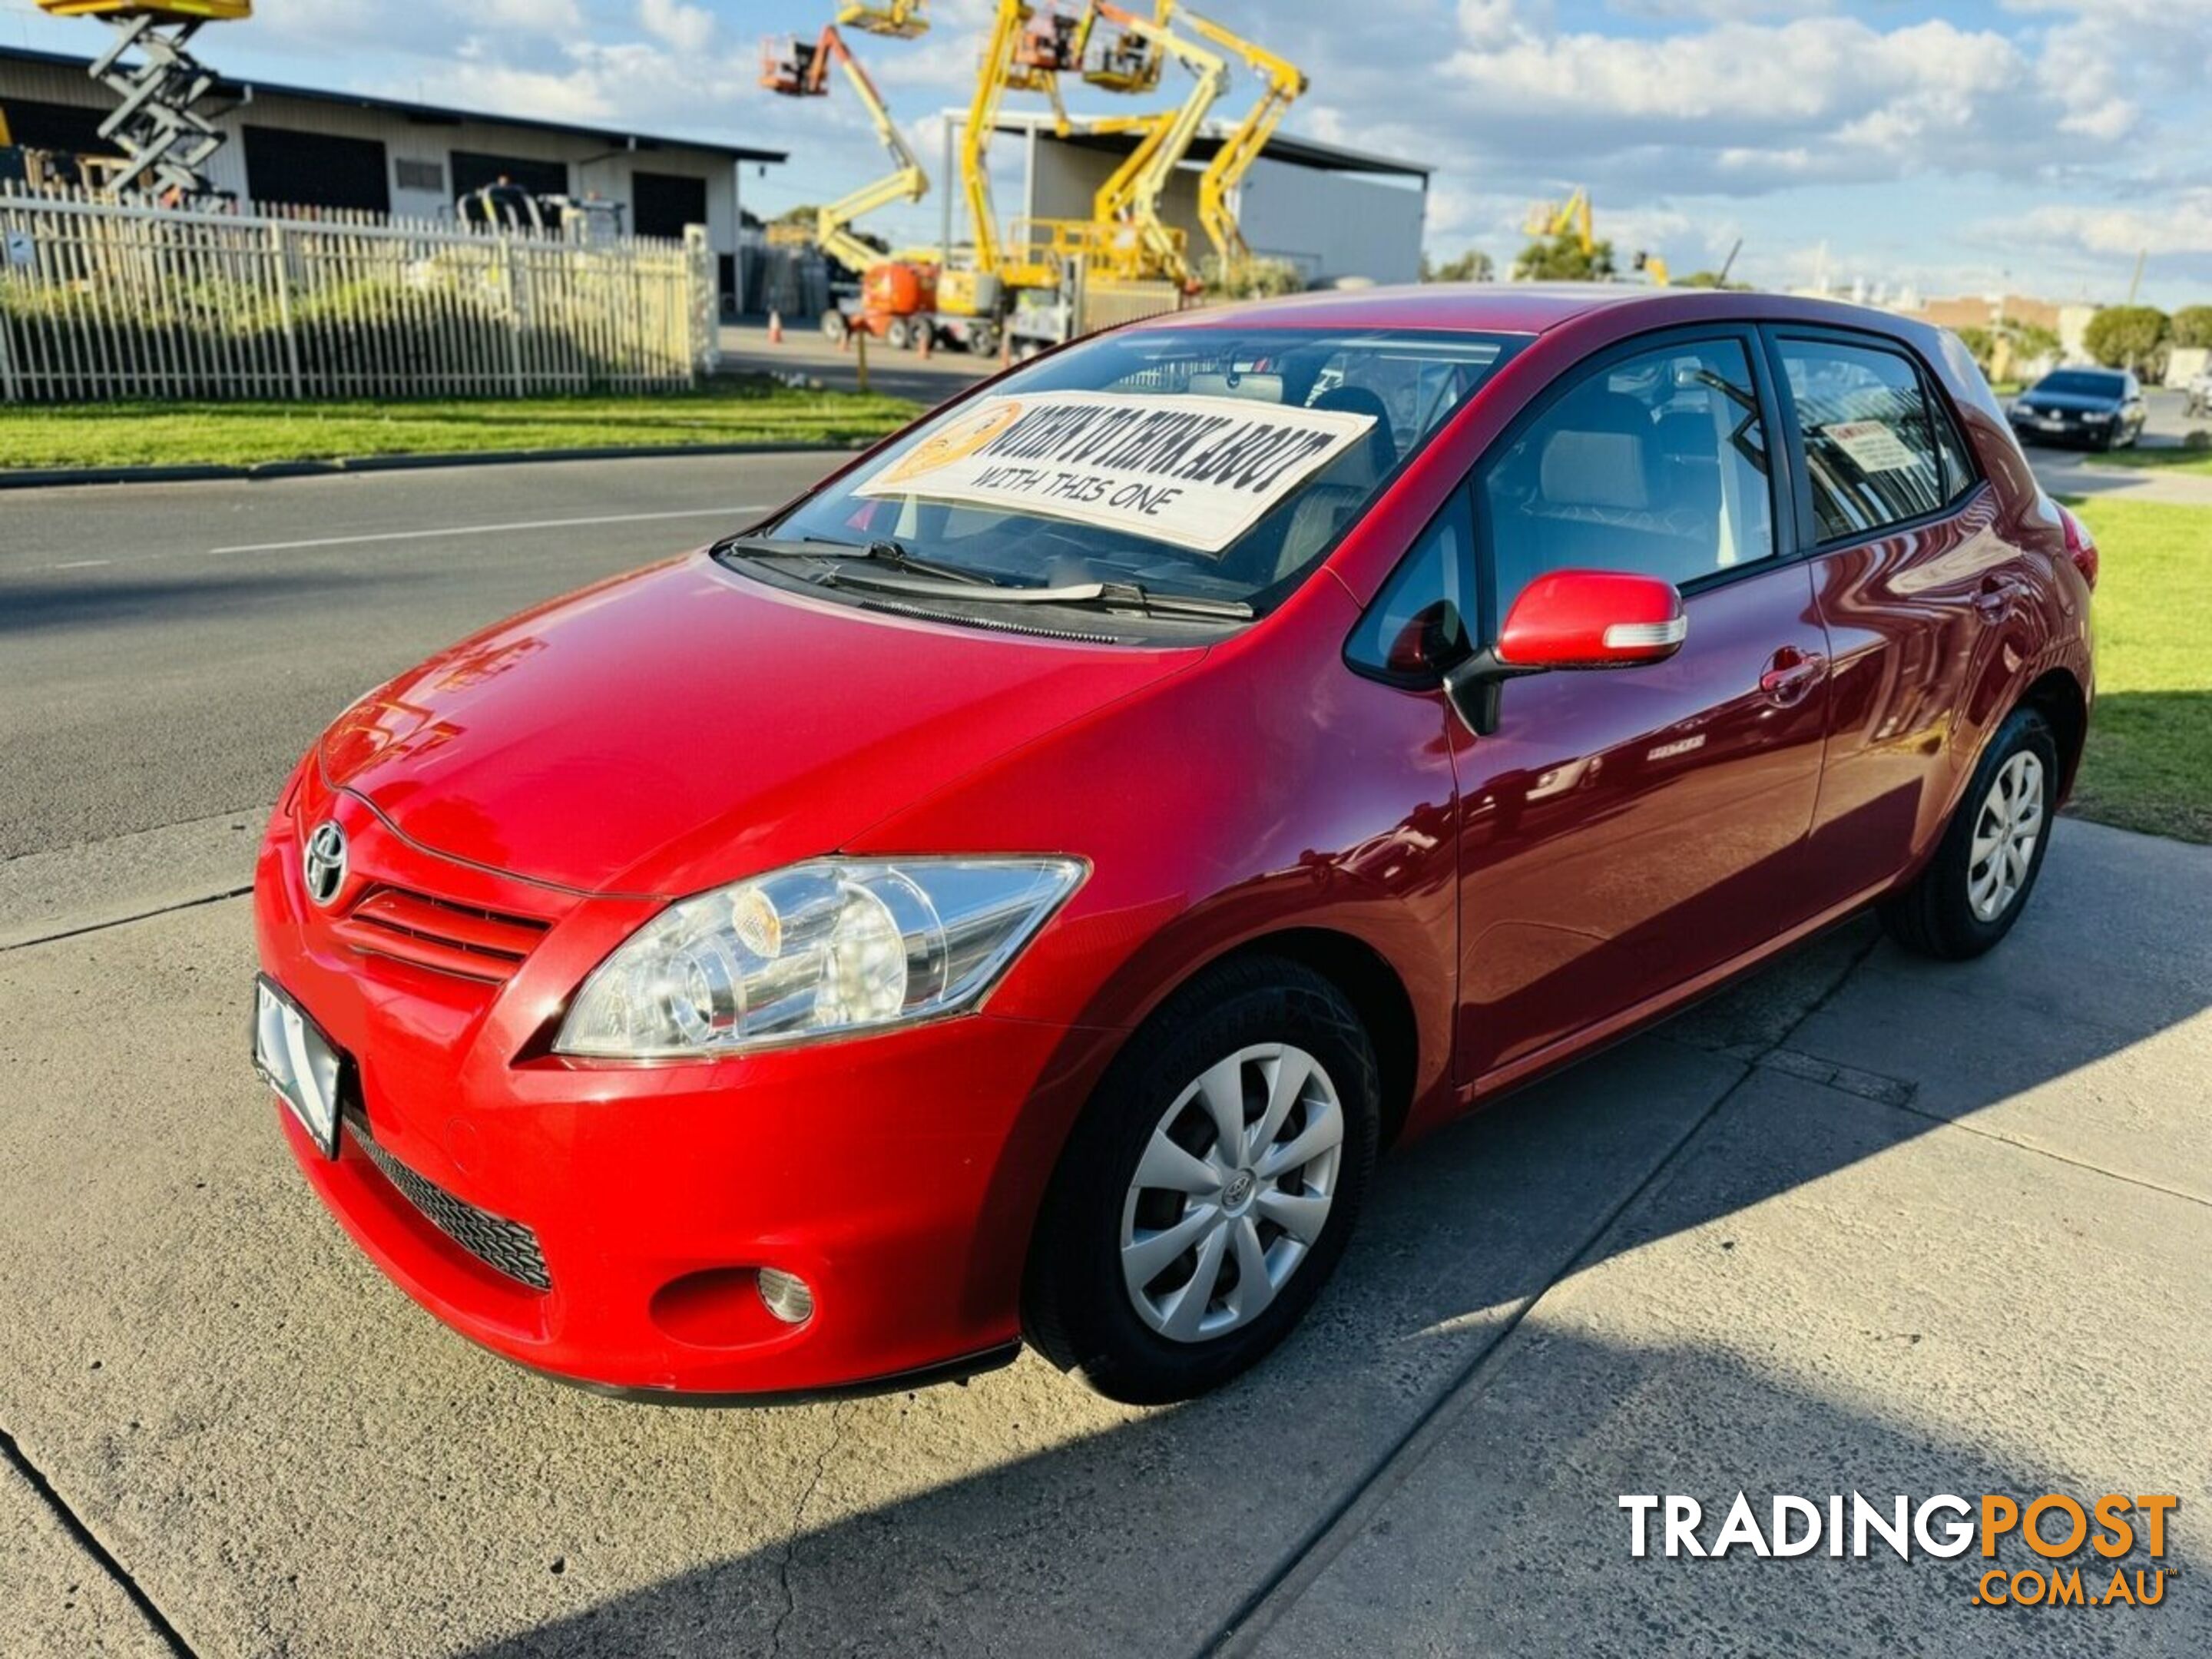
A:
{"x":1861,"y":1223}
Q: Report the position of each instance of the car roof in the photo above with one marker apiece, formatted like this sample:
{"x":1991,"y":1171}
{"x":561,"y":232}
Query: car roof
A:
{"x":1526,"y":308}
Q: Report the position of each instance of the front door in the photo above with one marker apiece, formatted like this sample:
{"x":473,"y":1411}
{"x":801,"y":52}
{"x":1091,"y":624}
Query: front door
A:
{"x":1623,"y":832}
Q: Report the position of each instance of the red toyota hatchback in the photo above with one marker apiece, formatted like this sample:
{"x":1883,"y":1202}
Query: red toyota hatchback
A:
{"x":1014,"y":891}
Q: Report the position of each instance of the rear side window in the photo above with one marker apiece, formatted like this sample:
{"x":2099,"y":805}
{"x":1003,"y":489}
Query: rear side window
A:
{"x":1880,"y":449}
{"x":1656,"y":462}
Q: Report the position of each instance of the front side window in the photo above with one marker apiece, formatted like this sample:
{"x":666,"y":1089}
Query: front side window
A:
{"x":1221,"y":464}
{"x":1871,"y":447}
{"x":1657,"y":463}
{"x":1421,"y":622}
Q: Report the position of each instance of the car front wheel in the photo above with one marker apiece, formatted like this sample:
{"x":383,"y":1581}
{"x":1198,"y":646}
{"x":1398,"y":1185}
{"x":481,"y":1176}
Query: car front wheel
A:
{"x":1974,"y":889}
{"x":1207,"y":1194}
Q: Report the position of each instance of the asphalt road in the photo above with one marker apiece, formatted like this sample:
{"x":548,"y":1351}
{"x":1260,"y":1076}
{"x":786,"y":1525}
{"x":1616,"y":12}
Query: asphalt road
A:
{"x":194,"y":637}
{"x":804,"y":352}
{"x":1860,"y":1224}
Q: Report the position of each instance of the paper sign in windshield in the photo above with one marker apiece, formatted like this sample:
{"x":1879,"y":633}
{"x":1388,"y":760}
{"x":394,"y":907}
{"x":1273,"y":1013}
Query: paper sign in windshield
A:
{"x":1872,"y":446}
{"x":1195,"y":472}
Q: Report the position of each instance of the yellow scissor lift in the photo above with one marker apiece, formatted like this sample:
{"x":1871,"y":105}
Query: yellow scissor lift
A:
{"x":165,"y":139}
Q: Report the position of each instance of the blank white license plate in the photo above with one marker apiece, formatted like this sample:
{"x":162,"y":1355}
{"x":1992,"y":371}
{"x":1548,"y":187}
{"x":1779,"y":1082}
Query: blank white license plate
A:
{"x":299,"y":1062}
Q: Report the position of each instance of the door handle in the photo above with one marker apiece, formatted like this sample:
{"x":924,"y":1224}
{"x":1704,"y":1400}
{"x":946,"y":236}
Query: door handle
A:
{"x":1791,"y":674}
{"x":1995,"y":596}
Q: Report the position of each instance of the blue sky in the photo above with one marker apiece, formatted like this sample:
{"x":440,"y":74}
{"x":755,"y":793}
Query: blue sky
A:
{"x":2032,"y":145}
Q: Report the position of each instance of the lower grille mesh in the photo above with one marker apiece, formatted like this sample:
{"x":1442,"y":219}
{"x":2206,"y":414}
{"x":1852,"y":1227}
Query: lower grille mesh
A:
{"x":506,"y":1247}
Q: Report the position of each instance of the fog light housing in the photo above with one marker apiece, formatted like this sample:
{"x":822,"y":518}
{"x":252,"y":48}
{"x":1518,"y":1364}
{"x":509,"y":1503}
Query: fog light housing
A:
{"x":786,"y":1295}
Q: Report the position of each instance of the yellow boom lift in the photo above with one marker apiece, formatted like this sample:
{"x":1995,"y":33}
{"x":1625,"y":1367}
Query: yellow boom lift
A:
{"x":1130,"y":196}
{"x":903,"y":20}
{"x":1282,"y":84}
{"x":1572,"y":217}
{"x":796,"y":69}
{"x":165,"y":138}
{"x":1029,"y":48}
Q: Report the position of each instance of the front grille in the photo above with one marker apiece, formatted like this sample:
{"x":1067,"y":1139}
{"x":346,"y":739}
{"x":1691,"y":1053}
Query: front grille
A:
{"x":506,"y":1247}
{"x":439,"y":934}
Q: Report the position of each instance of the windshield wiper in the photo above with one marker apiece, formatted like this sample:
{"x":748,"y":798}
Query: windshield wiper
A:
{"x":884,"y":552}
{"x":1097,"y":596}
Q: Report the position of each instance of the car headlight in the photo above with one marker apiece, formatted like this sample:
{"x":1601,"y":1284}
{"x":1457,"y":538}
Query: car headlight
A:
{"x":829,"y":948}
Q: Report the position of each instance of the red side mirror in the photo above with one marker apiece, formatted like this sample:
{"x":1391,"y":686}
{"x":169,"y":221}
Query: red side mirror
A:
{"x":1592,"y":619}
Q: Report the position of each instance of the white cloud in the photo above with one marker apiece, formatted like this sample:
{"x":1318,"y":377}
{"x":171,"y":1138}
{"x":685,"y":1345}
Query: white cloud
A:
{"x":2181,"y":227}
{"x":690,"y":30}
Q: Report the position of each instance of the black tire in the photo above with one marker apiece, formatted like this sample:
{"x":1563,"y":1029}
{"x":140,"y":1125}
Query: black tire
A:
{"x":834,"y":328}
{"x":983,"y":340}
{"x":899,"y":334}
{"x":1935,"y":916}
{"x":1077,"y":1308}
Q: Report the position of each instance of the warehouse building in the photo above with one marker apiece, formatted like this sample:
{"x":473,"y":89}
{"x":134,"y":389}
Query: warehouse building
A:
{"x":1333,"y":212}
{"x":342,"y":150}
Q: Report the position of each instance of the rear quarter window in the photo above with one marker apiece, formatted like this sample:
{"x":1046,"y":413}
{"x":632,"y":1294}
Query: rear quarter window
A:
{"x":1880,"y":448}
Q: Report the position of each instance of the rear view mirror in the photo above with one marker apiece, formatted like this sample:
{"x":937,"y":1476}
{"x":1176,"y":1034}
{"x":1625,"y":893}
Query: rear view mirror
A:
{"x":1571,"y":619}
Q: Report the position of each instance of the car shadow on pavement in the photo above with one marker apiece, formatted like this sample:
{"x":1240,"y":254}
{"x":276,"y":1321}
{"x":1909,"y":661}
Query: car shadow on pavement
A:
{"x":1781,"y":1132}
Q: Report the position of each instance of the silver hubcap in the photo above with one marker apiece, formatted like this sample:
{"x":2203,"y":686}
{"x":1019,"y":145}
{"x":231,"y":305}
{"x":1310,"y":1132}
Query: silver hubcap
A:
{"x":1232,"y":1191}
{"x":2005,"y":835}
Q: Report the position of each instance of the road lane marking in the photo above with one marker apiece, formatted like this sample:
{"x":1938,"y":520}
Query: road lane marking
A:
{"x":78,"y":564}
{"x":489,"y":529}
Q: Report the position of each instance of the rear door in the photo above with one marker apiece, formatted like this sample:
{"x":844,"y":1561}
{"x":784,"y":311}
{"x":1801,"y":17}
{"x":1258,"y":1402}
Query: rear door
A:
{"x":1919,"y":589}
{"x":1624,"y":832}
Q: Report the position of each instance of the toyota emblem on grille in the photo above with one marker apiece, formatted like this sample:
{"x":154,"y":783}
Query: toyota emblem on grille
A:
{"x":326,"y":867}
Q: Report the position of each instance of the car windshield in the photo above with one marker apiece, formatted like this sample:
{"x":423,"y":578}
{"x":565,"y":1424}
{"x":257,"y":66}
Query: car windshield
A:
{"x":2077,"y":383}
{"x":1210,"y":462}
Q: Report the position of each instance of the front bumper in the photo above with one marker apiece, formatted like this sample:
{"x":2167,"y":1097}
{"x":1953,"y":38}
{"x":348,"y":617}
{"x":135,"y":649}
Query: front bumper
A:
{"x":899,"y":1175}
{"x":2068,"y":427}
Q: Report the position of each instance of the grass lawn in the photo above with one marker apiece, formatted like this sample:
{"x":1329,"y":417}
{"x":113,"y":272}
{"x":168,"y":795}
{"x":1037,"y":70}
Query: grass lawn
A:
{"x":2150,"y":762}
{"x":141,"y":435}
{"x":2197,"y":462}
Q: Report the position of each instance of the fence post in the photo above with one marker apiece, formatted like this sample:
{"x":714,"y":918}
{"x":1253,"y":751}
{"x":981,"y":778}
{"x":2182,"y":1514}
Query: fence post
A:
{"x":7,"y":388}
{"x":706,"y":306}
{"x":281,"y":257}
{"x":513,"y":310}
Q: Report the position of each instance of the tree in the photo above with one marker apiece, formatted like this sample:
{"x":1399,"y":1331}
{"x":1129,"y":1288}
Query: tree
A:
{"x":2192,"y":326}
{"x":2033,"y":340}
{"x":1472,"y":266}
{"x":1714,"y":279}
{"x":2127,"y":336}
{"x":1561,"y":260}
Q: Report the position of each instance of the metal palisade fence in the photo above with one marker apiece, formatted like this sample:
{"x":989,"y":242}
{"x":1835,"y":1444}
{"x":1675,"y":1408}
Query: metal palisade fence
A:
{"x":101,"y":301}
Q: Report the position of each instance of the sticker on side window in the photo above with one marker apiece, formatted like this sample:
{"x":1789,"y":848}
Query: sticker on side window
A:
{"x":1195,"y":472}
{"x":1872,"y":446}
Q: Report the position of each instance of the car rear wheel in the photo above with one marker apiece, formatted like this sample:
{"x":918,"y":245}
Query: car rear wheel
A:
{"x":1208,"y":1191}
{"x":1973,"y":891}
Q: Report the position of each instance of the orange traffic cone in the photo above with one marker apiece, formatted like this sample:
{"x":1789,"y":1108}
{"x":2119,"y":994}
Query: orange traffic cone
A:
{"x":776,"y":328}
